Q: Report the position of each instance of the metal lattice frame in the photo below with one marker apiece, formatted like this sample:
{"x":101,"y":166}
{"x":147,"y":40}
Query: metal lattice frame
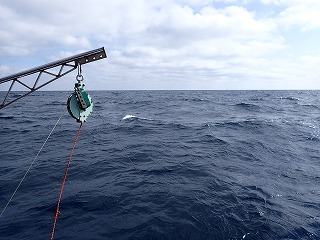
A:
{"x":65,"y":66}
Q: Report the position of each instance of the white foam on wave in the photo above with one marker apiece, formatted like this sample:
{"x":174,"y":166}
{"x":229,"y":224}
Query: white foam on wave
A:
{"x":128,"y":117}
{"x":148,"y":119}
{"x":131,"y":117}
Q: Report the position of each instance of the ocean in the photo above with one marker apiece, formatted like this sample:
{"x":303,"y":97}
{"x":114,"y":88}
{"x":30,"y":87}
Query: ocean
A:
{"x":164,"y":165}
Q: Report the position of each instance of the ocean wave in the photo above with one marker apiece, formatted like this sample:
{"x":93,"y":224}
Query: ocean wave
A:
{"x":290,"y":98}
{"x":208,"y":138}
{"x":194,"y":99}
{"x":247,"y":105}
{"x":160,"y":170}
{"x":258,"y":99}
{"x":130,"y":117}
{"x":56,"y":103}
{"x":6,"y":117}
{"x":310,"y":106}
{"x":162,"y":124}
{"x":241,"y":123}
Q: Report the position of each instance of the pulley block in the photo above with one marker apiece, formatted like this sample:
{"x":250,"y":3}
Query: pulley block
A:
{"x":79,"y":103}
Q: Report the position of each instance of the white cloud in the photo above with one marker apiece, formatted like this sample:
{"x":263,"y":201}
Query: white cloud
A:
{"x":304,"y":14}
{"x":164,"y":40}
{"x":305,"y":17}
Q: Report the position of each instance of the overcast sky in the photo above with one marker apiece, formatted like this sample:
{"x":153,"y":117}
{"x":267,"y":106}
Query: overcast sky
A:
{"x":168,"y":44}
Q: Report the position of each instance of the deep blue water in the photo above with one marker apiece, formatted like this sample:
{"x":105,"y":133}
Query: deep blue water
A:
{"x":165,"y":165}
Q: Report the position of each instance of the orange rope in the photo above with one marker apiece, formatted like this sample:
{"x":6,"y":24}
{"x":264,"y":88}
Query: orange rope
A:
{"x":63,"y":183}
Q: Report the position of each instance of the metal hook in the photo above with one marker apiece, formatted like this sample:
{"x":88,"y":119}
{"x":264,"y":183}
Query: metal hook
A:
{"x":79,"y":77}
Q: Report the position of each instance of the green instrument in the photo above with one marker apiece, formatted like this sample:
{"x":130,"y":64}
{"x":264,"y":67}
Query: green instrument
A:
{"x":79,"y":103}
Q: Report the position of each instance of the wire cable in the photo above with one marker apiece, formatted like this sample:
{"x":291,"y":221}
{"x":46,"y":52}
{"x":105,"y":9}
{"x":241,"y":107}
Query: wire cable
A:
{"x":15,"y":191}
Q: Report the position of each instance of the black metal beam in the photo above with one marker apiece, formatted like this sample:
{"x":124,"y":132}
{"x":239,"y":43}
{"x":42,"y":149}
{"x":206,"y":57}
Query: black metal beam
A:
{"x":70,"y":62}
{"x":82,"y":58}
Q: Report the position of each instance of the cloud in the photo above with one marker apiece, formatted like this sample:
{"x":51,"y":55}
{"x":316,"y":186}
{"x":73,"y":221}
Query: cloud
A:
{"x":302,"y":14}
{"x":305,"y":17}
{"x":151,"y":44}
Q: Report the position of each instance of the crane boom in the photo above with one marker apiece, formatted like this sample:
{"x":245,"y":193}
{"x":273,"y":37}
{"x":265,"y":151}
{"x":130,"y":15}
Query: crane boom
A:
{"x":65,"y":66}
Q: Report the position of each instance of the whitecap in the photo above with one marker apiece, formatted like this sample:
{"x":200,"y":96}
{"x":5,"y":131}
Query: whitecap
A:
{"x":244,"y":236}
{"x":132,"y":117}
{"x":128,"y":117}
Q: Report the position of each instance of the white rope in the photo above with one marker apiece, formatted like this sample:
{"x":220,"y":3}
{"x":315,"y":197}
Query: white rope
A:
{"x":30,"y":166}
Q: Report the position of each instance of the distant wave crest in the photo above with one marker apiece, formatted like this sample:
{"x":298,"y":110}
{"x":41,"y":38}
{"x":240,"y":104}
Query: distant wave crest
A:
{"x":247,"y":105}
{"x":130,"y":117}
{"x":290,"y":98}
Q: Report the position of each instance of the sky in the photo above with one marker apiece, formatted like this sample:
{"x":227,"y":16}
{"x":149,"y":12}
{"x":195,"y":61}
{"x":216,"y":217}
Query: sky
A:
{"x":167,"y":44}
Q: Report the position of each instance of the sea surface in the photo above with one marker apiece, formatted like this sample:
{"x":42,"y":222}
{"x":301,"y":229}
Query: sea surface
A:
{"x":164,"y":165}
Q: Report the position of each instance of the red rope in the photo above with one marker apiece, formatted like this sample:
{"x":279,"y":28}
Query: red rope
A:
{"x":63,"y":183}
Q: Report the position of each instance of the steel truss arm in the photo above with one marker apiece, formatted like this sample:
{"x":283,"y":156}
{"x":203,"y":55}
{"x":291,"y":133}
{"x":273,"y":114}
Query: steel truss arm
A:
{"x":65,"y":66}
